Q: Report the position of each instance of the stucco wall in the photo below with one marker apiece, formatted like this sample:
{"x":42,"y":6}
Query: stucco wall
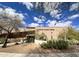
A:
{"x":50,"y":32}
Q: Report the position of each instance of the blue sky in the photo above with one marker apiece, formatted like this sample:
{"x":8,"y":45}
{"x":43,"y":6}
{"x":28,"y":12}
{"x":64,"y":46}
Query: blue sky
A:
{"x":67,"y":14}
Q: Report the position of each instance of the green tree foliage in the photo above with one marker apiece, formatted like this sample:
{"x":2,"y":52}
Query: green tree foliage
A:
{"x":72,"y":34}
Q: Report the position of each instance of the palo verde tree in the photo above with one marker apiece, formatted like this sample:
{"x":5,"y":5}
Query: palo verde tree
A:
{"x":72,"y":34}
{"x":9,"y":21}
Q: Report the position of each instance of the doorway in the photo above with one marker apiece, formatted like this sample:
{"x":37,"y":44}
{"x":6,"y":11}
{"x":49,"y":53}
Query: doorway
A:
{"x":30,"y":39}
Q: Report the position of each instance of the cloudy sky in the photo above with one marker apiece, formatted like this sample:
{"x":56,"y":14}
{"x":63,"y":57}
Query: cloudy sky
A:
{"x":45,"y":14}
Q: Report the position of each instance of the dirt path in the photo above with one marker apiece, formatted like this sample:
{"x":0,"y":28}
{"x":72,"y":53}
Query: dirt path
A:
{"x":23,"y":48}
{"x":35,"y":49}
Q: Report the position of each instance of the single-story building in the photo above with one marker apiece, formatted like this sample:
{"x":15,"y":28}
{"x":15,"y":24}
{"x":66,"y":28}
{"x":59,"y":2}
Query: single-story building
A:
{"x":32,"y":33}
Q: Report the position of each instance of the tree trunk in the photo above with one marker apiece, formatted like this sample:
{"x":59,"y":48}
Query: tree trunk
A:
{"x":5,"y":42}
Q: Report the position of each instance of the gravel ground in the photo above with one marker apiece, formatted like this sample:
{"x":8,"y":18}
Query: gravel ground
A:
{"x":34,"y":50}
{"x":22,"y":48}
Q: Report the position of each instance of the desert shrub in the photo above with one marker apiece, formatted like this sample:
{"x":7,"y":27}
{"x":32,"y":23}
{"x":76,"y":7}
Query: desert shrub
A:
{"x":60,"y":44}
{"x":57,"y":44}
{"x":72,"y":34}
{"x":47,"y":45}
{"x":73,"y":42}
{"x":44,"y":45}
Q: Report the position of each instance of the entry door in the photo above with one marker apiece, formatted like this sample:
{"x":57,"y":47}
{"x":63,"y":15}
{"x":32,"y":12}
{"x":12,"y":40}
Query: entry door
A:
{"x":30,"y":39}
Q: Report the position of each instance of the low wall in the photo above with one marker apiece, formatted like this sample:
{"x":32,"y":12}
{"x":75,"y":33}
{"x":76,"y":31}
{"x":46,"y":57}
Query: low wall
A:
{"x":39,"y":41}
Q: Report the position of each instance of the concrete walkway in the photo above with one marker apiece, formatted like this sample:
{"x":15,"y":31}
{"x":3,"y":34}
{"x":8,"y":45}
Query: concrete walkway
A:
{"x":9,"y":44}
{"x":11,"y":55}
{"x":39,"y":55}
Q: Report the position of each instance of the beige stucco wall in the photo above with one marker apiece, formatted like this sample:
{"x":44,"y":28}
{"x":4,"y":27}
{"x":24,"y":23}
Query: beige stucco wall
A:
{"x":48,"y":31}
{"x":51,"y":31}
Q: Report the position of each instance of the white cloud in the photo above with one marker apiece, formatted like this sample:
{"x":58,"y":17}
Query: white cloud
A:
{"x":59,"y":24}
{"x":40,"y":19}
{"x":25,"y":14}
{"x":55,"y":14}
{"x":28,"y":5}
{"x":76,"y":27}
{"x":21,"y":16}
{"x":58,"y":16}
{"x":73,"y":16}
{"x":74,"y":6}
{"x":48,"y":6}
{"x":23,"y":22}
{"x":64,"y":24}
{"x":8,"y":10}
{"x":33,"y":25}
{"x":36,"y":19}
{"x":11,"y":13}
{"x":1,"y":10}
{"x":51,"y":23}
{"x":48,"y":21}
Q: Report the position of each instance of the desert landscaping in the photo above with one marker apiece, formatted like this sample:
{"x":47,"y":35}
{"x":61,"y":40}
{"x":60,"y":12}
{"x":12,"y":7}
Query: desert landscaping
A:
{"x":39,"y":29}
{"x":33,"y":50}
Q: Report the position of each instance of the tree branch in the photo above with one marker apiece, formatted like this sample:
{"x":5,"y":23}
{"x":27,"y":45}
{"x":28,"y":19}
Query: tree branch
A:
{"x":4,"y":28}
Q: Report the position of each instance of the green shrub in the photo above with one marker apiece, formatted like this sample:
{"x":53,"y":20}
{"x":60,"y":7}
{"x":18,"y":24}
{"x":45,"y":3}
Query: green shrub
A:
{"x":73,"y":42}
{"x":49,"y":44}
{"x":57,"y":44}
{"x":60,"y":44}
{"x":44,"y":45}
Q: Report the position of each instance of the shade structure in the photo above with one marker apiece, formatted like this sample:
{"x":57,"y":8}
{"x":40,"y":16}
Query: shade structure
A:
{"x":18,"y":34}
